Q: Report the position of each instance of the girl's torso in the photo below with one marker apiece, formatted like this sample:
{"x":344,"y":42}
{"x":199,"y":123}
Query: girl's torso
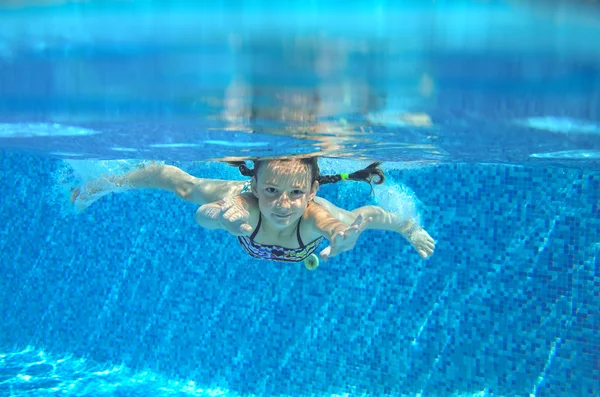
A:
{"x":290,"y":247}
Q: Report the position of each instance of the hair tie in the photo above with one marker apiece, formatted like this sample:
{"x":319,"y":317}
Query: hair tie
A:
{"x":344,"y":176}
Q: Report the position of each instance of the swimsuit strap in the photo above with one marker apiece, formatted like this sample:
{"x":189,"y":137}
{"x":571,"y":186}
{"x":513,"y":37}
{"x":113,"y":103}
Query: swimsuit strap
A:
{"x":255,"y":232}
{"x":298,"y":233}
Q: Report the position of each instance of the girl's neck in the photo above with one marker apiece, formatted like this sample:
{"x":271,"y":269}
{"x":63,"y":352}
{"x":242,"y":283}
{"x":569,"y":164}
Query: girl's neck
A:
{"x":285,"y":232}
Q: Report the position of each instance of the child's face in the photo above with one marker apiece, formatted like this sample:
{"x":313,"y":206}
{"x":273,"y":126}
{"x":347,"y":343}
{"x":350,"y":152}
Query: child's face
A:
{"x":283,"y":189}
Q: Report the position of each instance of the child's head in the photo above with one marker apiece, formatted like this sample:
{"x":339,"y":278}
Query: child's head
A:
{"x":284,"y":187}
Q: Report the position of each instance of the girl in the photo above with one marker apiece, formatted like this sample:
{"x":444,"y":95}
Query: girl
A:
{"x":276,"y":215}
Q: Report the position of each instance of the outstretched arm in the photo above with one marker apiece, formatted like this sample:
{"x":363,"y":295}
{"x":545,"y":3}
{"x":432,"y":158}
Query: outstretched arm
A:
{"x":342,"y":237}
{"x":381,"y":219}
{"x":158,"y":176}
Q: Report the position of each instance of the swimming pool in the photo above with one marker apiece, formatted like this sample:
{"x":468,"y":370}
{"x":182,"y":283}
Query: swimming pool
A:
{"x":488,"y":112}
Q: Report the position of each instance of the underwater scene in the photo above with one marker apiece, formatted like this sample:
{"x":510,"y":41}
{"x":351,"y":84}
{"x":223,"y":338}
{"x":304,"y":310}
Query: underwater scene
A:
{"x":299,"y":198}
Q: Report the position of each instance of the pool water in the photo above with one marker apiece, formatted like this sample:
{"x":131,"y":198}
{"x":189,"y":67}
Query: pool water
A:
{"x":487,"y":112}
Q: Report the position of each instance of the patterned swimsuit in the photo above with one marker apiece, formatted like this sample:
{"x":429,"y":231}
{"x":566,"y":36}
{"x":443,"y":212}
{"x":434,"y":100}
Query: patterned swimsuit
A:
{"x":276,"y":252}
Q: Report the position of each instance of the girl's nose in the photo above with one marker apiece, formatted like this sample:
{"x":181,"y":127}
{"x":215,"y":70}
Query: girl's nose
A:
{"x":284,"y":201}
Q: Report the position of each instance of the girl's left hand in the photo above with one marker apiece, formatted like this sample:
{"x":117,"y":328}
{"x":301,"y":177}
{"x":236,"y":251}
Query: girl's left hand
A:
{"x":345,"y":239}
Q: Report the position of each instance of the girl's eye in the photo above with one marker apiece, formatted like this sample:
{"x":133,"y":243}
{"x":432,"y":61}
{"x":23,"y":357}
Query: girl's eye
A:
{"x":270,"y":190}
{"x":297,"y":192}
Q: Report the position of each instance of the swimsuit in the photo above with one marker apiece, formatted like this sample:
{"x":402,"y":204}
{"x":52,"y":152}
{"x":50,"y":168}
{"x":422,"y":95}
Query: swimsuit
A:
{"x":276,"y":252}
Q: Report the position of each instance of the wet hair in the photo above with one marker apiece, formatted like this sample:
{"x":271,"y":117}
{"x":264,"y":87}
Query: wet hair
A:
{"x":370,"y":174}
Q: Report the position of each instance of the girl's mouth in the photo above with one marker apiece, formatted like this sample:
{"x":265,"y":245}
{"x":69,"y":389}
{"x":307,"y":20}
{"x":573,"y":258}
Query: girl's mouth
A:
{"x":282,"y":216}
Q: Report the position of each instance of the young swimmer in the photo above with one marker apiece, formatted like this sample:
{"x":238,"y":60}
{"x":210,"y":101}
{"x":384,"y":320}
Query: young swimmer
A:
{"x":277,"y":215}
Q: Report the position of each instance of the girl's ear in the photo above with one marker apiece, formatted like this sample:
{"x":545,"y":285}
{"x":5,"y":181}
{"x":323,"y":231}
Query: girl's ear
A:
{"x":253,"y":187}
{"x":313,"y":190}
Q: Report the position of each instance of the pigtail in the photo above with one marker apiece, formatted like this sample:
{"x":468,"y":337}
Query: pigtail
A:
{"x":370,"y":174}
{"x":241,"y":165}
{"x":367,"y":174}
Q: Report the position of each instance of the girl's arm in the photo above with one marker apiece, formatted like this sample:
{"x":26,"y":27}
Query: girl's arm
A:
{"x":381,"y":219}
{"x":322,"y":221}
{"x":157,"y":176}
{"x":342,"y":237}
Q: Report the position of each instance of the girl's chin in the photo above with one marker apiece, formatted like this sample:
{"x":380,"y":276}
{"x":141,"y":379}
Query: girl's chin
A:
{"x":283,"y":220}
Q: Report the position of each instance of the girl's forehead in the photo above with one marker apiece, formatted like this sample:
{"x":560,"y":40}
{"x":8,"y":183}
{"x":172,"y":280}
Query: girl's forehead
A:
{"x":284,"y":172}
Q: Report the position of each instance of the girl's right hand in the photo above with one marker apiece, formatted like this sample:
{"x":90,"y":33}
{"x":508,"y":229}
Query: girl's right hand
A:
{"x":234,"y":217}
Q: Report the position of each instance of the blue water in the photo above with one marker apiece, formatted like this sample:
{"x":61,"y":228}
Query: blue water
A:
{"x":487,"y":112}
{"x":172,"y":80}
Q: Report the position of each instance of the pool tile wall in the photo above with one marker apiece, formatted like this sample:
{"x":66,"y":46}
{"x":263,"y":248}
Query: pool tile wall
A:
{"x":508,"y":304}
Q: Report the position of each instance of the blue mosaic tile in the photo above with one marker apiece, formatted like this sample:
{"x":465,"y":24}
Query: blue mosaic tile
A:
{"x":507,"y":305}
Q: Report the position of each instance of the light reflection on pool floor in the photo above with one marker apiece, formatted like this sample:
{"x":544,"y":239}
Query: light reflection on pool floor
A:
{"x":33,"y":372}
